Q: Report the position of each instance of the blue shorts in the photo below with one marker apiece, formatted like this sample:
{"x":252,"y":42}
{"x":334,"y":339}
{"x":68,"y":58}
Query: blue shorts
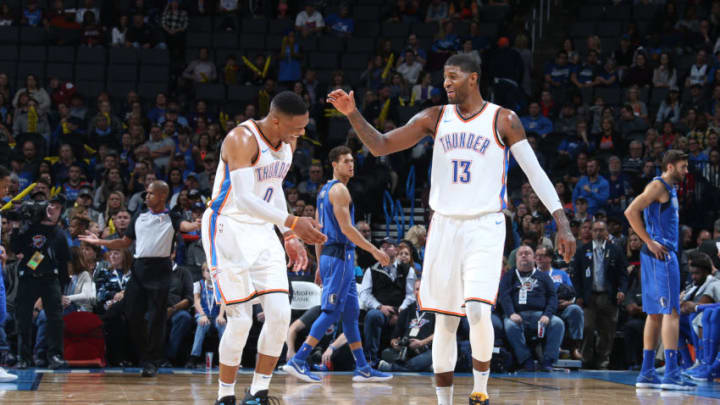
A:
{"x":337,"y":271}
{"x":660,"y":283}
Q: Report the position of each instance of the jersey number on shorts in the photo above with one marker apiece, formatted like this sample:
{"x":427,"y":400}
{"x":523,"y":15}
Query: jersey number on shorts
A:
{"x":268,"y":194}
{"x":461,"y":171}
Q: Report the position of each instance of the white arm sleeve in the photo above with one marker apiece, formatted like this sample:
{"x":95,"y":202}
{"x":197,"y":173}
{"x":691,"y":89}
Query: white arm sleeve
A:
{"x":539,"y":180}
{"x":280,"y":203}
{"x":242,"y":181}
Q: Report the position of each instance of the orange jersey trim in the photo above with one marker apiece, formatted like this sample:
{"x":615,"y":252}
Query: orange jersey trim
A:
{"x":472,"y":117}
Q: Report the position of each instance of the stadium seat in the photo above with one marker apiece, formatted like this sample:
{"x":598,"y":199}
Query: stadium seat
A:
{"x":89,"y":89}
{"x":424,"y":29}
{"x":394,"y":29}
{"x":405,"y":113}
{"x":226,"y":40}
{"x":366,"y":13}
{"x":308,"y":44}
{"x":590,"y":13}
{"x":493,"y":13}
{"x":221,"y":56}
{"x":611,"y":95}
{"x":330,"y":44}
{"x":200,"y":24}
{"x":319,"y":60}
{"x":120,"y":90}
{"x":36,"y":68}
{"x":148,"y":91}
{"x":65,"y":54}
{"x":32,"y":35}
{"x":211,"y":92}
{"x":254,"y":25}
{"x":273,"y":42}
{"x":154,"y":74}
{"x":657,"y":96}
{"x":324,"y":76}
{"x":9,"y":35}
{"x":361,"y":45}
{"x":10,"y":69}
{"x":83,"y":339}
{"x":280,"y":26}
{"x":352,"y":76}
{"x":609,"y":29}
{"x":63,"y":71}
{"x":8,"y":52}
{"x":582,"y":29}
{"x":94,"y":55}
{"x":122,"y":73}
{"x":123,"y":56}
{"x":32,"y":53}
{"x":252,"y":42}
{"x":367,"y":29}
{"x":90,"y":73}
{"x":587,"y":95}
{"x":618,"y":13}
{"x":462,"y":28}
{"x":198,"y":40}
{"x":644,"y":12}
{"x":489,"y":30}
{"x":354,"y":61}
{"x":154,"y":57}
{"x":242,"y":94}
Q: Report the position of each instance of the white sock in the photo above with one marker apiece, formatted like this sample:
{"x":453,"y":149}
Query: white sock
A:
{"x":225,"y":389}
{"x":260,"y":382}
{"x":444,"y":395}
{"x":480,"y":379}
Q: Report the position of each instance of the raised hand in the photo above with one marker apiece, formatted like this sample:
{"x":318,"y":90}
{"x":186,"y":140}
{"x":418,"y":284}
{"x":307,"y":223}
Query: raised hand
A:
{"x":343,"y":102}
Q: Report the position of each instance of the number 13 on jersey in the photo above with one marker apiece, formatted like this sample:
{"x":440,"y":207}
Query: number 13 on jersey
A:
{"x":461,"y":171}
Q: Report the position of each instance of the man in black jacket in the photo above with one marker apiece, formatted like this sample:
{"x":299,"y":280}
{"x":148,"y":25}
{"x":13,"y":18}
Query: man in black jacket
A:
{"x":600,"y":279}
{"x":180,"y":298}
{"x":527,"y":296}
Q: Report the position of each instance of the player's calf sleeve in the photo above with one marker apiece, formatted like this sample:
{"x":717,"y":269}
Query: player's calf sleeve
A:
{"x":444,"y":346}
{"x":322,"y":323}
{"x":232,"y":343}
{"x":350,"y":321}
{"x":482,"y":335}
{"x":276,"y":308}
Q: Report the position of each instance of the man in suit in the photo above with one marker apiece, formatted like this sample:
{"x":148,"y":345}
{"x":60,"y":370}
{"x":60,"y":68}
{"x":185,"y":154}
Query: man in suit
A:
{"x":600,"y":279}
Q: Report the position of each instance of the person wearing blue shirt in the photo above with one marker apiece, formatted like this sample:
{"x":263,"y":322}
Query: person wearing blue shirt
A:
{"x":575,"y":142}
{"x":593,"y":187}
{"x":568,"y":310}
{"x":536,"y":122}
{"x":583,"y":75}
{"x":696,"y":157}
{"x":341,"y":24}
{"x":558,"y":74}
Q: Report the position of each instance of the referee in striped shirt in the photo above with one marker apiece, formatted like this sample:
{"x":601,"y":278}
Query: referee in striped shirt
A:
{"x":153,"y":231}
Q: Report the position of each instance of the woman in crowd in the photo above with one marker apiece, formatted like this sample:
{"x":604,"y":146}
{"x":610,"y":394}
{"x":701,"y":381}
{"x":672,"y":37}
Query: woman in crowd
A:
{"x":80,"y":292}
{"x":115,"y":202}
{"x":33,"y":89}
{"x":110,"y":283}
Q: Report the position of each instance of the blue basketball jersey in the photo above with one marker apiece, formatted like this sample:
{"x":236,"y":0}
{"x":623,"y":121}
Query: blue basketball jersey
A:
{"x":326,"y":217}
{"x":662,"y":219}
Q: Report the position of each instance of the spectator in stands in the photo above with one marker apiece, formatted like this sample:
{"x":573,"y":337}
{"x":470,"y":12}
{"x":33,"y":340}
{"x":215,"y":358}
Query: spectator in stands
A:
{"x":409,"y":68}
{"x":289,"y":69}
{"x":665,"y":75}
{"x":567,"y":120}
{"x":558,"y":74}
{"x":80,"y":292}
{"x":639,"y":74}
{"x":535,"y":122}
{"x":414,"y":45}
{"x":629,"y":125}
{"x":141,"y":35}
{"x":208,"y":314}
{"x":88,"y":5}
{"x":528,"y":299}
{"x":34,"y":91}
{"x":506,"y":70}
{"x":635,"y":322}
{"x":92,"y":32}
{"x":416,"y":329}
{"x":202,"y":69}
{"x":159,"y":148}
{"x":31,"y":119}
{"x":180,"y":299}
{"x":175,"y":22}
{"x":119,"y":31}
{"x":624,"y":54}
{"x":669,"y":108}
{"x":593,"y":187}
{"x":421,"y":91}
{"x":608,"y":76}
{"x":639,"y":108}
{"x":384,"y":292}
{"x":32,"y":14}
{"x":309,"y":21}
{"x":583,"y":75}
{"x":437,"y":11}
{"x":467,"y":49}
{"x":110,"y":283}
{"x":581,"y":213}
{"x":619,"y":183}
{"x":341,"y":24}
{"x":600,"y":273}
{"x":571,"y":313}
{"x":6,"y":16}
{"x":699,"y":70}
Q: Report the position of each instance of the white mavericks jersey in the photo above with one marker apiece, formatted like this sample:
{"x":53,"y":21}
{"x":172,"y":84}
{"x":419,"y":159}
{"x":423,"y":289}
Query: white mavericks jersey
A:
{"x":469,"y":164}
{"x":269,"y":170}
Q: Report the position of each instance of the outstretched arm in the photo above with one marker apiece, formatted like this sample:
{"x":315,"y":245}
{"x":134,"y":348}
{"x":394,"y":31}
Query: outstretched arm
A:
{"x":512,"y":133}
{"x":421,"y":125}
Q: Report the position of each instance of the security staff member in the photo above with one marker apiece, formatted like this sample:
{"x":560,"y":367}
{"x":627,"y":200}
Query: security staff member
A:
{"x":42,"y":272}
{"x":146,"y":294}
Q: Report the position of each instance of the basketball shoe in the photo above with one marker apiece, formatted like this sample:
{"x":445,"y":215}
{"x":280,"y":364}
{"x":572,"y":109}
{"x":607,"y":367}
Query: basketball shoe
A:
{"x":260,"y":398}
{"x":369,"y":374}
{"x":648,"y":380}
{"x":477,"y":398}
{"x":300,"y":371}
{"x":228,"y":400}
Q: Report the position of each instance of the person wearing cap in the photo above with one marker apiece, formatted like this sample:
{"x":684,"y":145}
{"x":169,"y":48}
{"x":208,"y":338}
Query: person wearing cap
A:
{"x":384,"y":292}
{"x":42,"y":273}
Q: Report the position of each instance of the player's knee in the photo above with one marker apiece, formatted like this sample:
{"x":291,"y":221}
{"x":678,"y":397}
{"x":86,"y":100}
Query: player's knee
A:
{"x":478,"y":312}
{"x":445,"y":325}
{"x":278,"y":316}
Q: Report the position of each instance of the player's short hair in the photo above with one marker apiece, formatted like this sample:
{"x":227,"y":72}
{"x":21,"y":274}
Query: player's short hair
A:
{"x":338,"y":151}
{"x":700,"y":260}
{"x":289,"y":103}
{"x":673,"y":156}
{"x":464,"y":62}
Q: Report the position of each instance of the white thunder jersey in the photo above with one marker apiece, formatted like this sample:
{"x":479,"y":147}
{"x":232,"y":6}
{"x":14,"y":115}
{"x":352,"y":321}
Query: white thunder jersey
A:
{"x":269,"y":170}
{"x":469,"y":165}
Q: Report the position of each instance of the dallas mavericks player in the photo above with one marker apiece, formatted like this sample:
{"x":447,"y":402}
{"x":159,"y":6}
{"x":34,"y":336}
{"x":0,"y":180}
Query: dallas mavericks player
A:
{"x":463,"y":255}
{"x":660,"y":270}
{"x":246,"y":259}
{"x":336,"y":213}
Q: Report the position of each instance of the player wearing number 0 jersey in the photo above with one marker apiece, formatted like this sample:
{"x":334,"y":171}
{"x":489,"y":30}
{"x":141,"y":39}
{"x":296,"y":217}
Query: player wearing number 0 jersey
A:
{"x":463,"y":252}
{"x":246,"y":258}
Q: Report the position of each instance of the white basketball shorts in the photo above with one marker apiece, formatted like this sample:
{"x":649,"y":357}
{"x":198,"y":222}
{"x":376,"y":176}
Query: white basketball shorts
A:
{"x":463,"y":262}
{"x":245,"y":260}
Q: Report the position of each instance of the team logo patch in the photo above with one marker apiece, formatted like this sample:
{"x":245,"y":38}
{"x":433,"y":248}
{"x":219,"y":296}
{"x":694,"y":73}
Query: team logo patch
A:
{"x":38,"y":241}
{"x":662,"y":302}
{"x":332,"y":298}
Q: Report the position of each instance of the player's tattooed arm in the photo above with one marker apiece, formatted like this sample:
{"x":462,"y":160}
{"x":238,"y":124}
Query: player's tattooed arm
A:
{"x":509,"y":127}
{"x":421,"y":125}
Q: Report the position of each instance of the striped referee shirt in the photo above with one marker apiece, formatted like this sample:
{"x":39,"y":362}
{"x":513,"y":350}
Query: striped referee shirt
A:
{"x":153,"y":233}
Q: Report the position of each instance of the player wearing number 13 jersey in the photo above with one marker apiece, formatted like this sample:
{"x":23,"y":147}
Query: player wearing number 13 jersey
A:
{"x":463,"y":253}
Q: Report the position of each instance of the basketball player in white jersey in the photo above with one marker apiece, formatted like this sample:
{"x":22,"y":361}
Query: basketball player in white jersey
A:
{"x":246,"y":258}
{"x":464,"y":250}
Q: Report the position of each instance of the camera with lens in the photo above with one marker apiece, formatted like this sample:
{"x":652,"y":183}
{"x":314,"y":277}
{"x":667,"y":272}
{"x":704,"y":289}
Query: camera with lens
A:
{"x":33,"y":212}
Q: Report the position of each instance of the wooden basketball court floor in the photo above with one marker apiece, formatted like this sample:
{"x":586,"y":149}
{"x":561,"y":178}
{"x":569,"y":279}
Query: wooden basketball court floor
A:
{"x":177,"y":386}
